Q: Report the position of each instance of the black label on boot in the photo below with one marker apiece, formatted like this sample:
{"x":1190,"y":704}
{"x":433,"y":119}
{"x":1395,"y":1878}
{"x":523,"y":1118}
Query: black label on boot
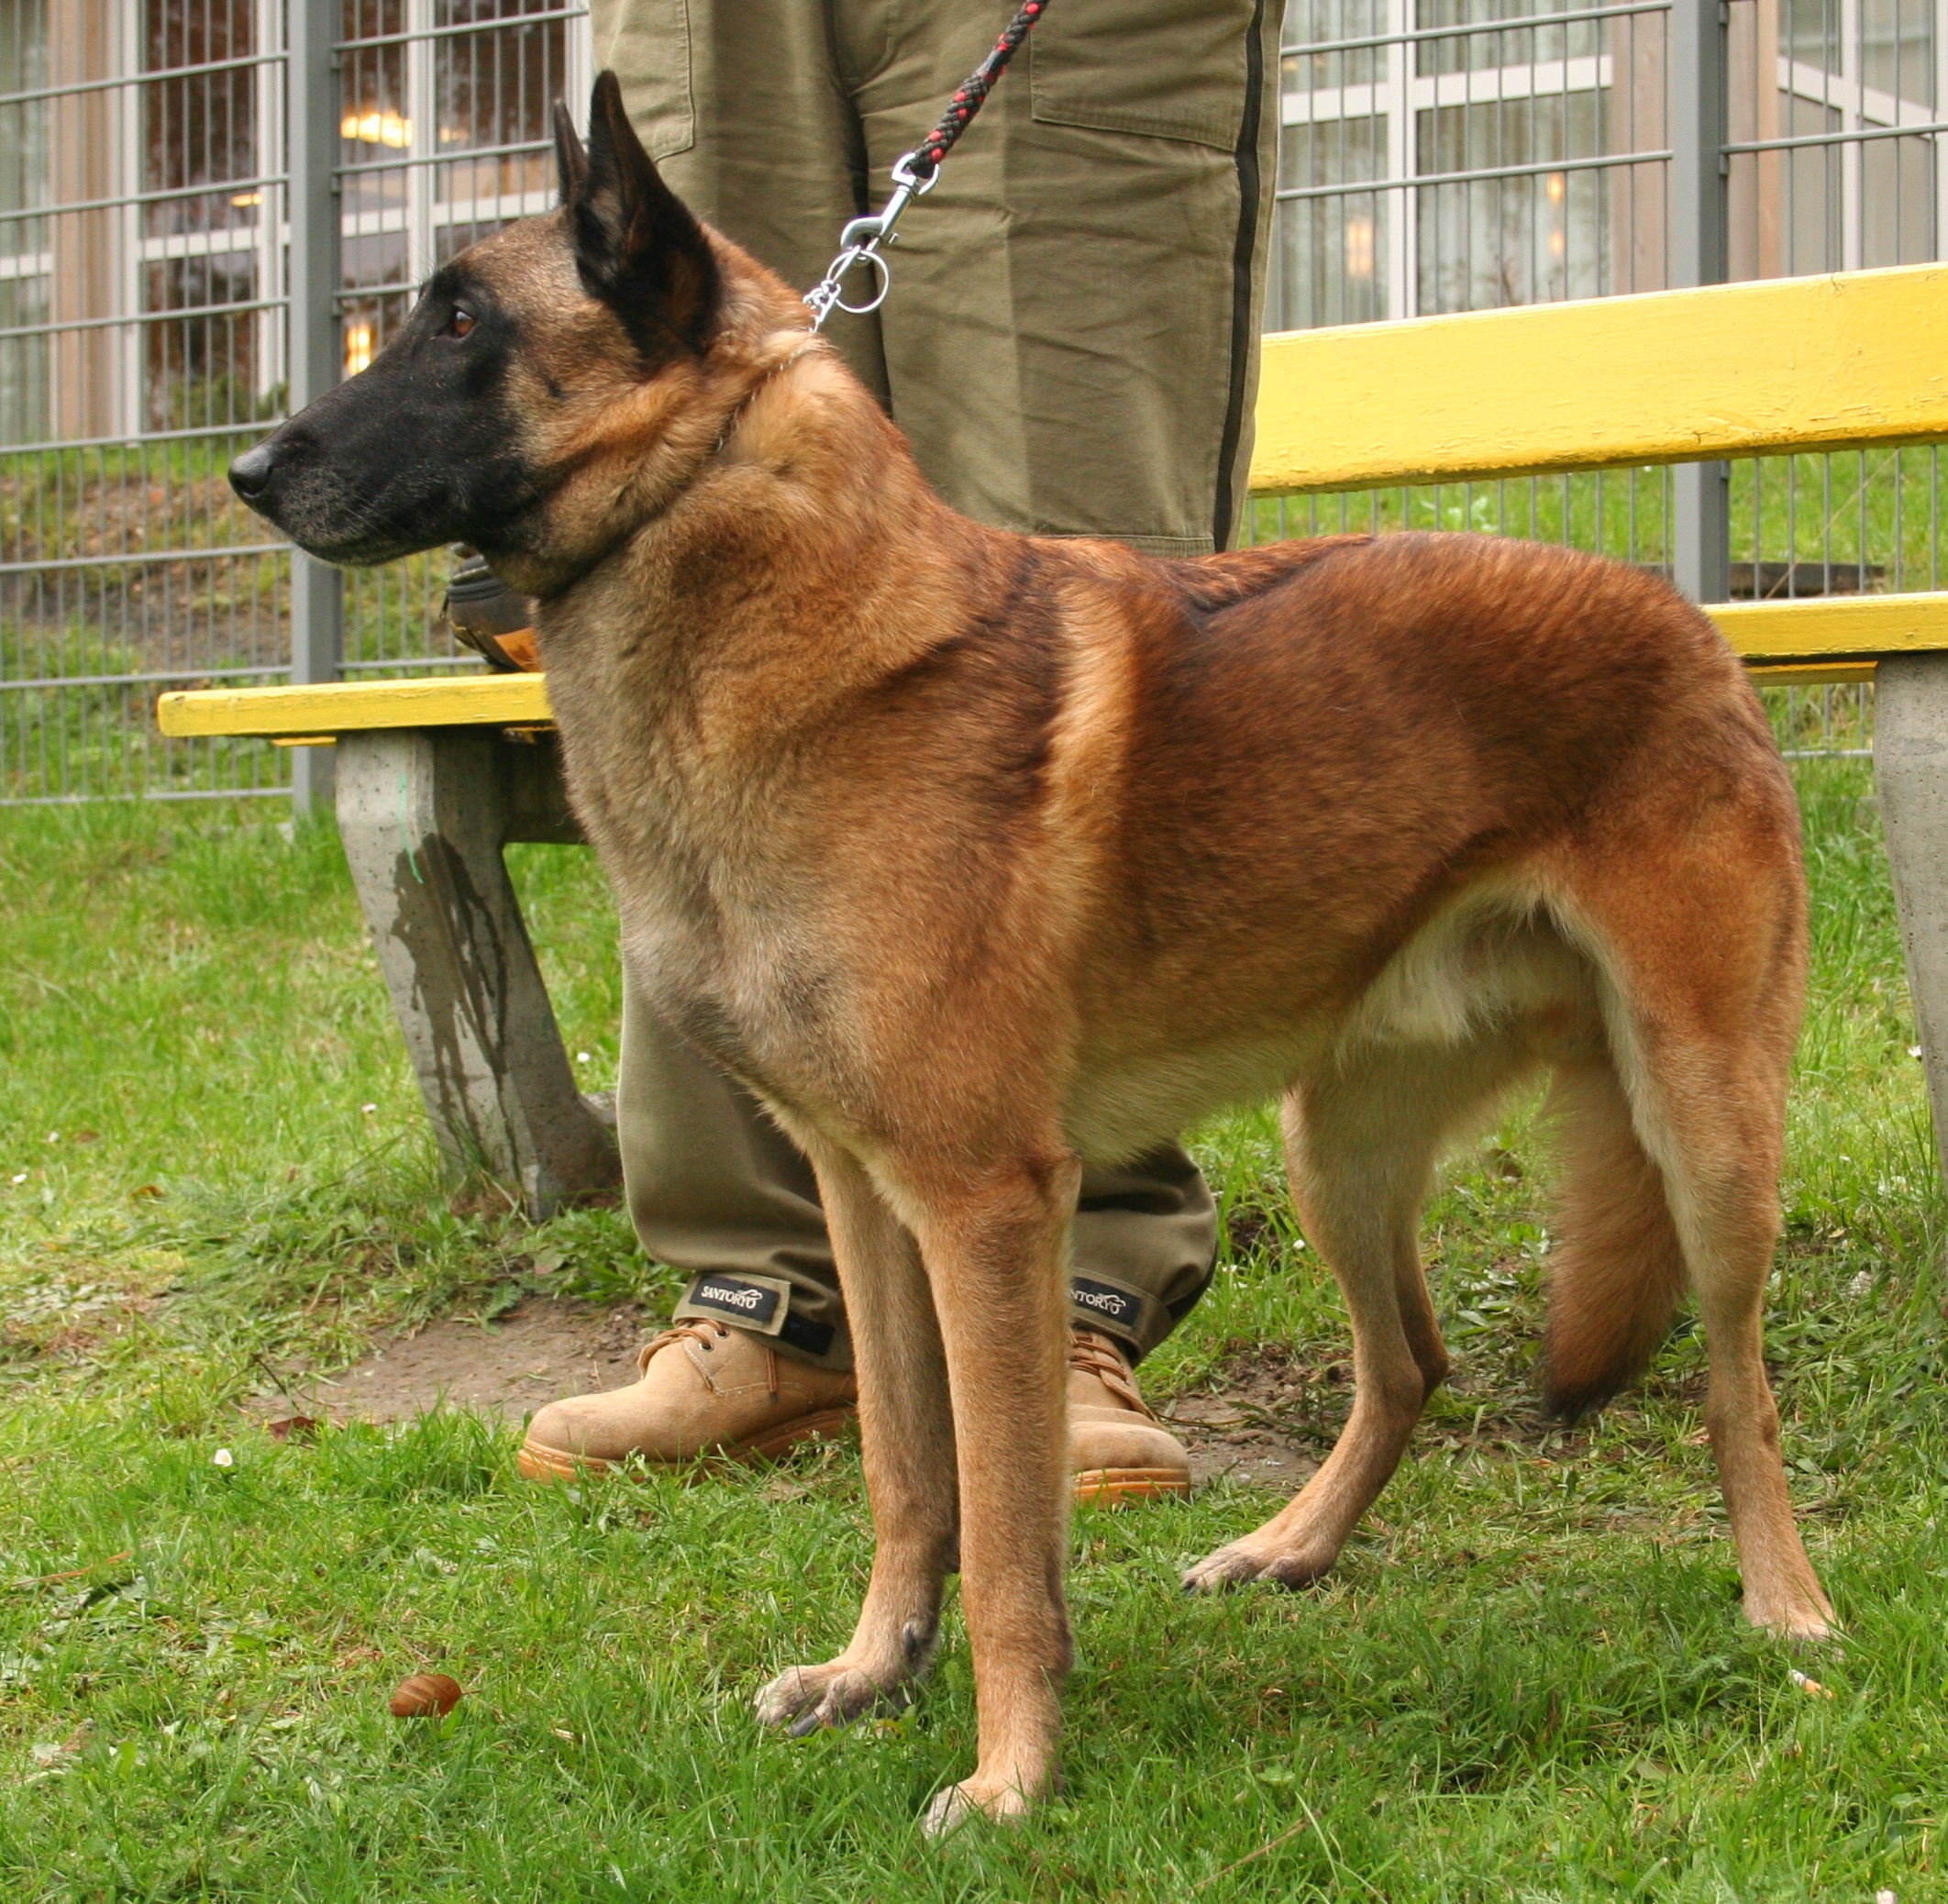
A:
{"x":737,"y":1300}
{"x":1116,"y":1307}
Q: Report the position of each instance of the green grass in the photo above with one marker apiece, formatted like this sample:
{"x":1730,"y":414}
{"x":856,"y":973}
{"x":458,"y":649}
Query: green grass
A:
{"x":1881,"y":507}
{"x":1527,"y":1680}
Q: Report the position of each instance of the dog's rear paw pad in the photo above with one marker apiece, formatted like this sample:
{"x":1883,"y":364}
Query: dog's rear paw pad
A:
{"x":1226,"y":1568}
{"x":807,"y":1698}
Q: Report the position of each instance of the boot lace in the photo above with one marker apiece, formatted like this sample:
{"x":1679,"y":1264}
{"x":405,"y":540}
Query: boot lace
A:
{"x":1095,"y":1354}
{"x":693,"y":1328}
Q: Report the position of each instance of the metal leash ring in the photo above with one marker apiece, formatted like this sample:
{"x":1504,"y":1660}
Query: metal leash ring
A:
{"x":842,"y":263}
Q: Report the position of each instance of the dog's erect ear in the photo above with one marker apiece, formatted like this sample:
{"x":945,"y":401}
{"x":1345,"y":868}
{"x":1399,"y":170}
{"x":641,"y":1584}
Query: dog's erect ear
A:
{"x":636,"y":246}
{"x":571,"y":163}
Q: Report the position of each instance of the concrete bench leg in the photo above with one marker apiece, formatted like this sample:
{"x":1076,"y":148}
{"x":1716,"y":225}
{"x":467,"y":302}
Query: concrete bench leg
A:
{"x":423,"y":816}
{"x":1910,"y":764}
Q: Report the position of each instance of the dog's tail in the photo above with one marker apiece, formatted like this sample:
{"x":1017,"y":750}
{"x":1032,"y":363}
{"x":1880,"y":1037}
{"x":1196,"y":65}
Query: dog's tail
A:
{"x":1617,"y":1269}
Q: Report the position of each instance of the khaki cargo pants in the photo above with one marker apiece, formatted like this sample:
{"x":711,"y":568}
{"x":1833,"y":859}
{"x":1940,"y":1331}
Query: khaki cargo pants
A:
{"x":1071,"y":345}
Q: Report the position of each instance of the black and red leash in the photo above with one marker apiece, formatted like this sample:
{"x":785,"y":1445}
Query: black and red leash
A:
{"x":913,"y":175}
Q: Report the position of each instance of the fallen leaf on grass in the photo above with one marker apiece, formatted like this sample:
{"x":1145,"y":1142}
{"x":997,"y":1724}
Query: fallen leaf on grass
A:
{"x":293,"y":1428}
{"x":147,"y":1189}
{"x":50,"y":1751}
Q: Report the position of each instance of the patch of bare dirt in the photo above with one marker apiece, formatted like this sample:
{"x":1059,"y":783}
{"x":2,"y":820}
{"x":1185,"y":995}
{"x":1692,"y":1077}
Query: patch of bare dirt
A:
{"x":1266,"y":1422}
{"x":508,"y":1368}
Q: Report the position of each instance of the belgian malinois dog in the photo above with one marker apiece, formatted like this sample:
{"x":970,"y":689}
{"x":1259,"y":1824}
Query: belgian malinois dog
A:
{"x":979,"y":855}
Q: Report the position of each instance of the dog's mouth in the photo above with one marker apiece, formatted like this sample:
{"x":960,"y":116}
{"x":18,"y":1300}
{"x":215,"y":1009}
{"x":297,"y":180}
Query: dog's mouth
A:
{"x":278,"y":480}
{"x":354,"y":510}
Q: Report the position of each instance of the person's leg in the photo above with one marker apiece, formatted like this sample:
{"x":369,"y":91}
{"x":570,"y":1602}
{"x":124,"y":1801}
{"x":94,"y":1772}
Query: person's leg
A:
{"x":1072,"y":340}
{"x":1146,"y":1245}
{"x":716,"y":1187}
{"x":1071,"y":345}
{"x":743,"y":110}
{"x":760,"y":1357}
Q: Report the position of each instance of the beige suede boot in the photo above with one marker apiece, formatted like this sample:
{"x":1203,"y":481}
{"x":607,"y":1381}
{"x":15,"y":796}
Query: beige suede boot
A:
{"x":1118,"y":1449}
{"x":705,"y":1389}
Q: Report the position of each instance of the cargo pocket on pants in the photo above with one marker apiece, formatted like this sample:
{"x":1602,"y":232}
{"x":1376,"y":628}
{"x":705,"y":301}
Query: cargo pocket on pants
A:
{"x":647,"y":43}
{"x":1172,"y":69}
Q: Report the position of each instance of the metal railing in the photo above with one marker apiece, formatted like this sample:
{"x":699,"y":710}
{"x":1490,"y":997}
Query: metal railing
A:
{"x":208,"y":214}
{"x":1452,"y":155}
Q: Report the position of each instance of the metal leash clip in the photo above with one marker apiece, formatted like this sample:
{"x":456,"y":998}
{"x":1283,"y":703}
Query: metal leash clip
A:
{"x":859,"y":244}
{"x":914,"y":176}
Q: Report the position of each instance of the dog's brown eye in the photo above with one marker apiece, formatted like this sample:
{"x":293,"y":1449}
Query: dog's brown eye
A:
{"x":460,"y":323}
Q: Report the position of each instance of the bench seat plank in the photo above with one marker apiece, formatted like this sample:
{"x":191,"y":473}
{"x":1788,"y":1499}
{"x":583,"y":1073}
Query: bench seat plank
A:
{"x":346,"y":707}
{"x":1837,"y":362}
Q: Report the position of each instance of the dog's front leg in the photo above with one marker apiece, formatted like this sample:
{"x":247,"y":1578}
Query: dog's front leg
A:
{"x":996,"y":1253}
{"x":906,"y":1431}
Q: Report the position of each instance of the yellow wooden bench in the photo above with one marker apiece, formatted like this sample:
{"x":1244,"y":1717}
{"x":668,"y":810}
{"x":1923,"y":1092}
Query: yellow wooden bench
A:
{"x":430,"y":786}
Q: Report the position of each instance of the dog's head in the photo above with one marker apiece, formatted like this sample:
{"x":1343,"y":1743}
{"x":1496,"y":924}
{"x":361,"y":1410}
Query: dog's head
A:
{"x":553,"y":386}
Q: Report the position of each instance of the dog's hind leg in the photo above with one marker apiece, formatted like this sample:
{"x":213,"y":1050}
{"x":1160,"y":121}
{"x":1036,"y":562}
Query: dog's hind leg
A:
{"x":1704,"y":964}
{"x":907,"y":1432}
{"x":1361,"y":1143}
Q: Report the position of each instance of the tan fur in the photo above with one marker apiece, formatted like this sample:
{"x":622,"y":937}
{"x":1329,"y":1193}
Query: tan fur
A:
{"x":978,"y":856}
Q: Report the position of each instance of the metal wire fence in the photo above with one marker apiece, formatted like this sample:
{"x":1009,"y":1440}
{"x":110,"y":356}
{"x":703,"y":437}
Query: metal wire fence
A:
{"x":1437,"y":155}
{"x":140,"y":306}
{"x":145,"y":229}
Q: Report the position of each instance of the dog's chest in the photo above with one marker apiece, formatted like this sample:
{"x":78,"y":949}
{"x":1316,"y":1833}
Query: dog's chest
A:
{"x":711,"y":921}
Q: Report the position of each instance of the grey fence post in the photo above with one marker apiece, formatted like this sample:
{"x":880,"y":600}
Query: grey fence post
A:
{"x":311,"y":195}
{"x":1700,"y":539}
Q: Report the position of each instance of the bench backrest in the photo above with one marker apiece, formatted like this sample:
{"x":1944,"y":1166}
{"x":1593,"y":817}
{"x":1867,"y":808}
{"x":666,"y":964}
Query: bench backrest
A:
{"x":1837,"y":362}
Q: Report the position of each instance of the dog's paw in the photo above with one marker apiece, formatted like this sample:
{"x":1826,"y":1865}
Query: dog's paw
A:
{"x":1232,"y":1566}
{"x":1802,"y":1623}
{"x":951,"y":1808}
{"x":803,"y":1700}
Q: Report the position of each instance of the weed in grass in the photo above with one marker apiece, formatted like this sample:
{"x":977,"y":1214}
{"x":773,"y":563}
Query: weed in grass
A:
{"x":1528,"y":1678}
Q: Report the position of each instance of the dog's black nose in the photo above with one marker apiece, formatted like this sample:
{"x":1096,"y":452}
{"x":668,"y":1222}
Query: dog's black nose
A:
{"x":250,"y":473}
